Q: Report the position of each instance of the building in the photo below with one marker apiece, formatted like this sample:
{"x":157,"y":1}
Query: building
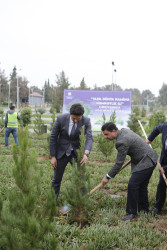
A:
{"x":36,"y":99}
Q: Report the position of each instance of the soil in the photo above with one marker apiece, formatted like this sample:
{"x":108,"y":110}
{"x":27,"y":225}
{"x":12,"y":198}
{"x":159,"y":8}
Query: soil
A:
{"x":42,"y":157}
{"x":160,"y":225}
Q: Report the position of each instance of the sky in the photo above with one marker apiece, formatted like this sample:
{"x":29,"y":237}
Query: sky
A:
{"x":83,"y":38}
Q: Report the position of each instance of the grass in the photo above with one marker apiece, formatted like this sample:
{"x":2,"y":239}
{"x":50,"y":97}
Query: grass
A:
{"x":106,"y":230}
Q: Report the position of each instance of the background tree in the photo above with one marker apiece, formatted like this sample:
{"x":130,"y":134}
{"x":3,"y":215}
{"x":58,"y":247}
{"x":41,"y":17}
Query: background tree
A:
{"x":4,"y":87}
{"x":163,"y":95}
{"x":62,"y":83}
{"x":136,"y":96}
{"x":83,"y":85}
{"x":133,"y":121}
{"x":48,"y":92}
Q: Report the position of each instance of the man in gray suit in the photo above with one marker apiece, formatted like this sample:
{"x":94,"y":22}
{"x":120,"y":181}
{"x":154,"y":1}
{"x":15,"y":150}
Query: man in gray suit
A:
{"x":143,"y":162}
{"x":64,"y":141}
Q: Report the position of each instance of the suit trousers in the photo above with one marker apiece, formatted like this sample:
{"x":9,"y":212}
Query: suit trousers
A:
{"x":137,"y":198}
{"x":59,"y":171}
{"x":161,"y":191}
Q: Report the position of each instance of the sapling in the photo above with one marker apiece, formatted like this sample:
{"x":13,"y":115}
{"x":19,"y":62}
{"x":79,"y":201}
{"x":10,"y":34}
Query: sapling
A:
{"x":26,"y":218}
{"x":105,"y":146}
{"x":77,"y":190}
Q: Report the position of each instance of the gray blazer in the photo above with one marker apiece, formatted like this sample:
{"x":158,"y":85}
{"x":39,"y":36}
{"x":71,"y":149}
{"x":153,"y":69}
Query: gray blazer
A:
{"x":129,"y":143}
{"x":60,"y":140}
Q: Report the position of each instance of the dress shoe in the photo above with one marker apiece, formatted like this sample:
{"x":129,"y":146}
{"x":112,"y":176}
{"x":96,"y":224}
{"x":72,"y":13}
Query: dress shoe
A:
{"x":129,"y":217}
{"x":155,"y":211}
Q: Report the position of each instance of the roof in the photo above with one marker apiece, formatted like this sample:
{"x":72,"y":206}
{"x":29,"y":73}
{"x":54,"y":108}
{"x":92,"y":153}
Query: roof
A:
{"x":35,"y":94}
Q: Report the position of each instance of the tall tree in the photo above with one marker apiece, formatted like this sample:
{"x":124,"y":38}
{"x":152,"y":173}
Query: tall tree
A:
{"x":3,"y":87}
{"x":62,"y":83}
{"x":163,"y":95}
{"x":83,"y":85}
{"x":23,"y":86}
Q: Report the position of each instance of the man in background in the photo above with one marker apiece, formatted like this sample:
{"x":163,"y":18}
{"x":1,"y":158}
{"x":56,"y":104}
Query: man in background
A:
{"x":11,"y":124}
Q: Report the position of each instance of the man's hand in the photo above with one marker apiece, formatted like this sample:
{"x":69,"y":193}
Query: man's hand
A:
{"x":104,"y":181}
{"x":54,"y":162}
{"x":148,"y":142}
{"x":84,"y":160}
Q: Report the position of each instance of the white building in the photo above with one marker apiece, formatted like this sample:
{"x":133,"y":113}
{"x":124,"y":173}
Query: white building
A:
{"x":36,"y":99}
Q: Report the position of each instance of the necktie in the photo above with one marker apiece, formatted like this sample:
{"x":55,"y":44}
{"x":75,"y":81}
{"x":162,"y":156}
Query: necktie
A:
{"x":69,"y":149}
{"x":72,"y":130}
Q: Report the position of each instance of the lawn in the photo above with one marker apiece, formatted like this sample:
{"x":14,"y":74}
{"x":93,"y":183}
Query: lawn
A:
{"x":105,"y":230}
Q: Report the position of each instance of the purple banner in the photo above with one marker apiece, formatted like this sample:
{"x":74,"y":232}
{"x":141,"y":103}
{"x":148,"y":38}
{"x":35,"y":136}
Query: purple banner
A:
{"x":100,"y":104}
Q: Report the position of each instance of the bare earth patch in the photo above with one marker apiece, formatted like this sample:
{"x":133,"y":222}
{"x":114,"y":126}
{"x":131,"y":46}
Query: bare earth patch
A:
{"x":42,"y":157}
{"x":160,"y":225}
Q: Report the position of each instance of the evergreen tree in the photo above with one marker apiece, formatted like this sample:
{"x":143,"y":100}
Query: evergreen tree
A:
{"x":133,"y":121}
{"x":77,"y":190}
{"x":26,"y":222}
{"x":106,"y":146}
{"x":62,"y":83}
{"x":38,"y":123}
{"x":4,"y":88}
{"x":163,"y":95}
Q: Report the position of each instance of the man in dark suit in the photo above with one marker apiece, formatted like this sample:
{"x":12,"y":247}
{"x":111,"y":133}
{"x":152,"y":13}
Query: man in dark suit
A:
{"x":143,"y":162}
{"x":161,"y":188}
{"x":64,"y":141}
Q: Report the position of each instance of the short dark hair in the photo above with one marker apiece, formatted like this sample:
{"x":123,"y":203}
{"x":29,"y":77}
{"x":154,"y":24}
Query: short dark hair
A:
{"x":12,"y":107}
{"x":110,"y":126}
{"x":77,"y":109}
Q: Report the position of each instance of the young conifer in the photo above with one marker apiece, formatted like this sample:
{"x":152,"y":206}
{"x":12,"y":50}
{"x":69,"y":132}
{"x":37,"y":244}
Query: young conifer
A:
{"x":26,"y":221}
{"x":77,"y":191}
{"x":105,"y":146}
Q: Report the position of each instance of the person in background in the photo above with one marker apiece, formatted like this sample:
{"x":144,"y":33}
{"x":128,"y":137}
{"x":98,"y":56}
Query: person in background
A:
{"x":143,"y":162}
{"x":161,"y":188}
{"x":11,"y":124}
{"x":64,"y":141}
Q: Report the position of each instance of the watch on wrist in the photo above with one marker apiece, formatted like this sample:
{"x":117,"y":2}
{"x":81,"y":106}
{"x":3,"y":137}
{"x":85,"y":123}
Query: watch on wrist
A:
{"x":86,"y":154}
{"x":108,"y":178}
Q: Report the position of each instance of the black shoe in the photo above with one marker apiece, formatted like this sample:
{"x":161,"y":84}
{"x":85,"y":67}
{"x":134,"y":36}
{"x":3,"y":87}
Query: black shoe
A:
{"x":155,"y":211}
{"x":129,"y":217}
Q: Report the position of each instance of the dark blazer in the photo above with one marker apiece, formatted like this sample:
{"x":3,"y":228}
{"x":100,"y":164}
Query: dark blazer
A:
{"x":129,"y":143}
{"x":162,"y":128}
{"x":60,"y":140}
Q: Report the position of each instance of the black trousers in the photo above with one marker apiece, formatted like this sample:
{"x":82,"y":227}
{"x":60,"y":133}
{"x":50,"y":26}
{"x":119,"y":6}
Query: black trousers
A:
{"x":59,"y":171}
{"x":161,"y":191}
{"x":137,"y":198}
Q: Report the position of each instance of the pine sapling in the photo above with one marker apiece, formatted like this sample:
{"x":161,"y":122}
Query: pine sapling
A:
{"x":26,"y":221}
{"x":77,"y":191}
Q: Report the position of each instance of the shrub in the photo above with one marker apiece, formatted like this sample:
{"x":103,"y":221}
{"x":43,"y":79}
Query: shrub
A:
{"x":105,"y":146}
{"x":39,"y":124}
{"x":41,"y":110}
{"x":26,"y":115}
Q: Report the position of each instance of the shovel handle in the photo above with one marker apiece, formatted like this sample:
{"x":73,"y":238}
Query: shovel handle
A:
{"x":100,"y":185}
{"x":158,"y":164}
{"x":2,"y":129}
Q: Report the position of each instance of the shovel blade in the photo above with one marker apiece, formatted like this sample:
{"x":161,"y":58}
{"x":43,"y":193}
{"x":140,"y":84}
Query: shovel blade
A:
{"x":65,"y":210}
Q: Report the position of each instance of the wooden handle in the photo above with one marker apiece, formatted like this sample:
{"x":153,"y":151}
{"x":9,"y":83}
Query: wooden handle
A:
{"x":94,"y":189}
{"x":100,"y":185}
{"x":158,"y":163}
{"x":2,"y":129}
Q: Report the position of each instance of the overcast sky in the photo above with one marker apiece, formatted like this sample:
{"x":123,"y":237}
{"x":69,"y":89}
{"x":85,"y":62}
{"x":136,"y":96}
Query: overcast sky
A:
{"x":82,"y":38}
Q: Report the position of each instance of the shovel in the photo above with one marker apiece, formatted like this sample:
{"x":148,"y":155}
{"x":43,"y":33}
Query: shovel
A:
{"x":100,"y":185}
{"x":65,"y":209}
{"x":2,"y":129}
